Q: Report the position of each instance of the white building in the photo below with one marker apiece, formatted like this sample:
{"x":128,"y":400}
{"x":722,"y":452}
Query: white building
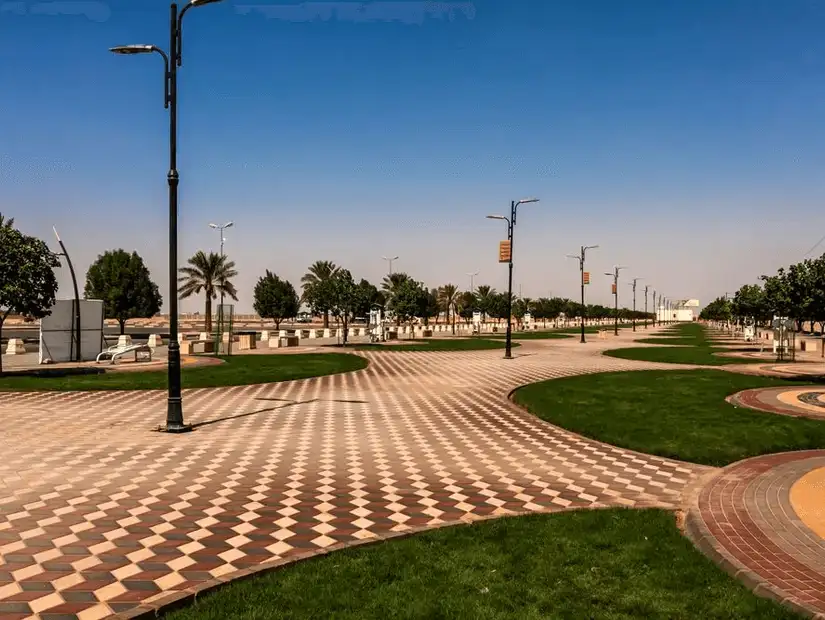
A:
{"x":679,"y":310}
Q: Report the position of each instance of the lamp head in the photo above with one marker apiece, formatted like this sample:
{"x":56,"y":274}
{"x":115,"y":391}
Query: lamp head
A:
{"x":496,"y":217}
{"x":128,"y":50}
{"x":202,"y":2}
{"x":211,"y":225}
{"x":526,"y":200}
{"x":229,"y":225}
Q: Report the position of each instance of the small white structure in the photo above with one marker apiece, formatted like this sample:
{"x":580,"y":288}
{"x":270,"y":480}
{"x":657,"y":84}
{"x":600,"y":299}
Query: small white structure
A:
{"x":57,"y":331}
{"x":15,"y":347}
{"x":679,"y":310}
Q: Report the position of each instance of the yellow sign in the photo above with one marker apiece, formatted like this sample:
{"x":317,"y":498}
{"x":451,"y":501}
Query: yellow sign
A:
{"x":613,"y":289}
{"x":504,"y":252}
{"x":586,"y":277}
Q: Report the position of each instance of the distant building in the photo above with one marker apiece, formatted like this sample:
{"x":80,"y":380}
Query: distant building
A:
{"x":679,"y":310}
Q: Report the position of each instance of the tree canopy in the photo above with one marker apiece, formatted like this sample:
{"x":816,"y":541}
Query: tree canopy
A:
{"x":122,"y":281}
{"x":275,"y":299}
{"x":28,"y":285}
{"x":211,"y":274}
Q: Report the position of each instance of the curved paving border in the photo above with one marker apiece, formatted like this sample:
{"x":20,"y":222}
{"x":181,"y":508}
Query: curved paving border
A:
{"x":776,"y":400}
{"x":743,"y":519}
{"x":100,"y":516}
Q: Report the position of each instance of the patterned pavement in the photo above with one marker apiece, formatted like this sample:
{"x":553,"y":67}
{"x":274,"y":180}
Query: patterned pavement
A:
{"x":806,"y":402}
{"x":100,"y":515}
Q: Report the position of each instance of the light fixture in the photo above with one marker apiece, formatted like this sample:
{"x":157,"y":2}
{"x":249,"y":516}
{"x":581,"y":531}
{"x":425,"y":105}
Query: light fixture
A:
{"x":132,"y":49}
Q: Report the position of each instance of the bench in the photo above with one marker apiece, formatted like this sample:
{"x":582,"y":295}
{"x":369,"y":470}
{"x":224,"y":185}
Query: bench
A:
{"x":143,"y":351}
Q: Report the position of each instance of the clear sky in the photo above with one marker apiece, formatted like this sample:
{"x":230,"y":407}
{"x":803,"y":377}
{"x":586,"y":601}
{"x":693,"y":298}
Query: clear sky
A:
{"x":684,"y":137}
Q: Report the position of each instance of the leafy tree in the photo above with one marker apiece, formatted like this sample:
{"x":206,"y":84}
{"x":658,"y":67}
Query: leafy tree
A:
{"x":27,"y":282}
{"x":466,"y":305}
{"x":433,"y":307}
{"x":497,"y":308}
{"x":275,"y":299}
{"x":409,"y":300}
{"x":749,"y":303}
{"x":211,"y":274}
{"x":367,"y":297}
{"x":485,"y":296}
{"x":342,"y":293}
{"x":314,"y":288}
{"x":777,"y":293}
{"x":447,"y":300}
{"x":124,"y":284}
{"x":720,"y":309}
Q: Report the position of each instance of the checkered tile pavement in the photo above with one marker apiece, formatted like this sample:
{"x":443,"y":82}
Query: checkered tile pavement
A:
{"x":100,"y":514}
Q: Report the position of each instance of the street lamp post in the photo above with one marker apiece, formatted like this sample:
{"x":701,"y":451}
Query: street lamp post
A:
{"x":633,"y":316}
{"x":221,"y":229}
{"x":472,"y":280}
{"x":581,"y":258}
{"x":390,"y":259}
{"x":76,"y":304}
{"x":511,"y":224}
{"x":172,"y":60}
{"x":615,"y":275}
{"x":647,"y":287}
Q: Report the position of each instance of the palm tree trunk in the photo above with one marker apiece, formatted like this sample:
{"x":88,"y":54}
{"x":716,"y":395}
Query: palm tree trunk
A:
{"x":208,"y":312}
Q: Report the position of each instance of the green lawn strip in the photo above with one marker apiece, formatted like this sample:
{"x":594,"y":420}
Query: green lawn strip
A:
{"x":679,"y":414}
{"x":436,"y":344}
{"x":695,"y":347}
{"x":616,"y":564}
{"x":237,"y":370}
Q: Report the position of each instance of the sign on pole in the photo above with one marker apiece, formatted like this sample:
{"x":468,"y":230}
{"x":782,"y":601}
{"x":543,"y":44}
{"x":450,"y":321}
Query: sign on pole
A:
{"x":504,"y":252}
{"x":613,"y":288}
{"x":586,"y":277}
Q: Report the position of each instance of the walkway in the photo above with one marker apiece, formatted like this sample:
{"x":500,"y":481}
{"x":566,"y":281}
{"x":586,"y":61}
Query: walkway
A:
{"x":100,"y":515}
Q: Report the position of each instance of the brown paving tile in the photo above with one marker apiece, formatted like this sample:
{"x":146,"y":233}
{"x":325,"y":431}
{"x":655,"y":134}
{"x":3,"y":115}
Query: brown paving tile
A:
{"x":365,"y":460}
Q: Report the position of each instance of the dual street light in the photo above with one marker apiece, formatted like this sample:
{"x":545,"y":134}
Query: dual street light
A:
{"x":615,"y":275}
{"x":633,"y":316}
{"x":472,"y":275}
{"x":172,"y":60}
{"x":581,"y":258}
{"x":511,"y":224}
{"x":390,"y":259}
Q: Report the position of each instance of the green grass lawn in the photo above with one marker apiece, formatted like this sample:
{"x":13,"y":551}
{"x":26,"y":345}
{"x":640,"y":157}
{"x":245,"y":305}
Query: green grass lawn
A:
{"x":436,"y":344}
{"x":615,"y":564}
{"x":696,"y":348}
{"x":238,"y":370}
{"x":679,"y":414}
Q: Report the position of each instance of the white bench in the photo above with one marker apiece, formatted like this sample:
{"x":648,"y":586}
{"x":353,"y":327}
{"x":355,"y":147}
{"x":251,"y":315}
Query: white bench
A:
{"x":117,"y":351}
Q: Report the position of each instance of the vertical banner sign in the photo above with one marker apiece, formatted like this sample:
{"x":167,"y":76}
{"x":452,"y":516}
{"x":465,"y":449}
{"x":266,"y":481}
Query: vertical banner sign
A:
{"x":586,"y":277}
{"x":613,"y":288}
{"x":504,"y":254}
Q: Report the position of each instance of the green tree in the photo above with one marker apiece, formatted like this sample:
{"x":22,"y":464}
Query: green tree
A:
{"x":485,"y":296}
{"x":211,"y":274}
{"x":342,"y":293}
{"x":409,"y":300}
{"x":749,"y":304}
{"x":367,"y":297}
{"x":315,"y":291}
{"x":432,"y":309}
{"x":466,"y":305}
{"x":447,"y":300}
{"x":275,"y":299}
{"x":122,"y":281}
{"x":27,"y":282}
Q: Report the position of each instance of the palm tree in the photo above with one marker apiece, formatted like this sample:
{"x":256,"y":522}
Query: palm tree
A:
{"x":6,"y":223}
{"x":210,"y":273}
{"x":447,"y":298}
{"x":391,"y":282}
{"x":485,"y":295}
{"x":319,"y":273}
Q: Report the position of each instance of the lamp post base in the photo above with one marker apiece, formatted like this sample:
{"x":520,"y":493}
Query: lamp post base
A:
{"x":176,"y":428}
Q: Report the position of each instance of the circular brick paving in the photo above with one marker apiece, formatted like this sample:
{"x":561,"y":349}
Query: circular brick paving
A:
{"x":745,"y":520}
{"x":805,"y":401}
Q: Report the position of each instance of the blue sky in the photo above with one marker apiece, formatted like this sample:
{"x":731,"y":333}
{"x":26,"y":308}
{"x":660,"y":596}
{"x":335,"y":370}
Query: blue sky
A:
{"x":685,"y":138}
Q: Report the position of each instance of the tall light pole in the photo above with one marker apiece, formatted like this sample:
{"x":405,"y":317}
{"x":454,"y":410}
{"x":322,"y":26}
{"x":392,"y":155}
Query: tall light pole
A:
{"x":633,"y":316}
{"x":76,"y":305}
{"x":221,"y":229}
{"x":615,"y":275}
{"x":472,"y":280}
{"x":511,"y":224}
{"x":581,"y":258}
{"x":172,"y":60}
{"x":390,"y":259}
{"x":647,"y":287}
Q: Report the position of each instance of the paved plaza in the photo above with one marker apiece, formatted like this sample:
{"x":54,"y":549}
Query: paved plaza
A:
{"x":101,"y":515}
